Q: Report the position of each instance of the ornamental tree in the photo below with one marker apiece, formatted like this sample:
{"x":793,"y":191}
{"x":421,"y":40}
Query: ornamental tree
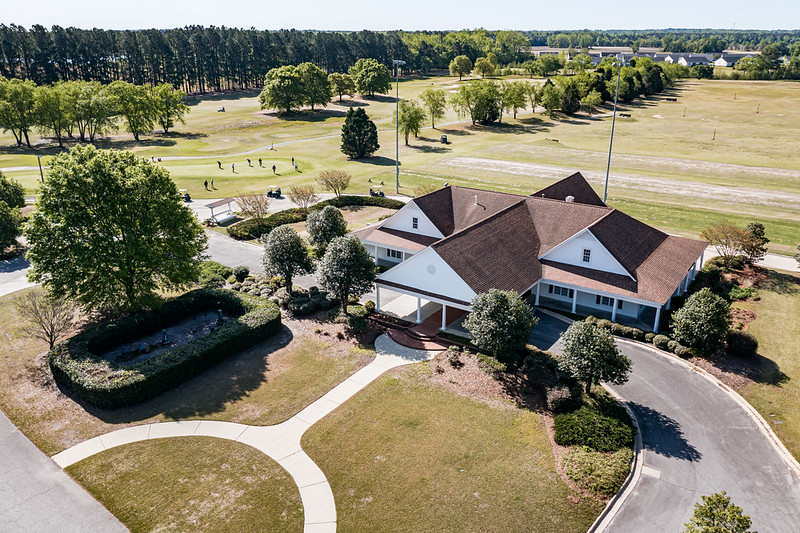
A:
{"x":483,"y":67}
{"x":435,"y":102}
{"x":459,"y":66}
{"x":359,"y":135}
{"x":591,"y":355}
{"x":500,"y":322}
{"x":302,"y":195}
{"x":110,"y":230}
{"x":45,"y":318}
{"x":346,"y":269}
{"x":703,"y":321}
{"x":135,"y":104}
{"x":336,"y":181}
{"x":285,"y":254}
{"x":371,"y":77}
{"x":728,"y":239}
{"x":324,"y":225}
{"x":755,"y":248}
{"x":717,"y":514}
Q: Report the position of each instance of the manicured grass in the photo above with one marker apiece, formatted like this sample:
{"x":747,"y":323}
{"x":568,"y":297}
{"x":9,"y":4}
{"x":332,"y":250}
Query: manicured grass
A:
{"x":264,"y":385}
{"x":658,"y":142}
{"x":406,"y":455}
{"x":356,"y":216}
{"x":192,"y":484}
{"x":776,"y":392}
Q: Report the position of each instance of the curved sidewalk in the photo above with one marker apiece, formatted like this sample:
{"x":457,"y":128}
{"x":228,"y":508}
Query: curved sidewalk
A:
{"x":281,"y":442}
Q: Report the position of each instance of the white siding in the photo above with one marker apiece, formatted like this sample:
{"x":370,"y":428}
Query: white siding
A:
{"x":427,"y":271}
{"x":571,"y":253}
{"x":403,"y":220}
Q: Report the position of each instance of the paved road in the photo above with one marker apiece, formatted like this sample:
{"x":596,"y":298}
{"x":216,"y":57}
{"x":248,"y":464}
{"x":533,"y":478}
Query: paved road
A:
{"x":13,"y":275}
{"x":37,"y":496}
{"x":697,"y":440}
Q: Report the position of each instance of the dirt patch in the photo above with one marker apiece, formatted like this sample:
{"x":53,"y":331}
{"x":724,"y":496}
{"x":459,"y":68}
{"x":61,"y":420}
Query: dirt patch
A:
{"x":464,"y":376}
{"x":733,"y":372}
{"x":742,"y":316}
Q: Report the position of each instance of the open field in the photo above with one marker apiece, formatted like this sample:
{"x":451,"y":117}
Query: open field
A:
{"x":264,"y":385}
{"x":663,"y":161}
{"x":408,"y":455}
{"x":192,"y":484}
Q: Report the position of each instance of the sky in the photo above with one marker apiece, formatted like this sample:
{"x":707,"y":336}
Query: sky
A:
{"x":406,"y":15}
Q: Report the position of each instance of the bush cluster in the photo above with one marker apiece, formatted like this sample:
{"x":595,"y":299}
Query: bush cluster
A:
{"x":741,"y":343}
{"x":603,"y":430}
{"x":253,"y":229}
{"x":662,"y":342}
{"x":213,"y":274}
{"x":77,"y":365}
{"x":303,"y":303}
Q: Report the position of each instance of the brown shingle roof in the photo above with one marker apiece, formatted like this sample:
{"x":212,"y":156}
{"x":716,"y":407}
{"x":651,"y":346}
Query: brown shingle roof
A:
{"x":575,"y":186}
{"x":631,"y":242}
{"x":453,"y":209}
{"x":556,"y":221}
{"x":395,"y":238}
{"x":507,"y":245}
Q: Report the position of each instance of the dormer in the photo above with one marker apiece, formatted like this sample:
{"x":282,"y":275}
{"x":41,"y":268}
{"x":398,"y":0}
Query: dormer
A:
{"x":585,"y":250}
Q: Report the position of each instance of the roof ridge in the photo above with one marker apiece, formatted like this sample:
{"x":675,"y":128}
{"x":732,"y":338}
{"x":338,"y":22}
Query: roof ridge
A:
{"x":482,"y":222}
{"x":487,"y":190}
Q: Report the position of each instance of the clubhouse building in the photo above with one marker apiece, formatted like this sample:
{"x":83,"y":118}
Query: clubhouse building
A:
{"x":560,"y":247}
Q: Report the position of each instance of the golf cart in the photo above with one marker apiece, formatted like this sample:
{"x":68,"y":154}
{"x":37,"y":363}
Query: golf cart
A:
{"x":274,"y":191}
{"x":185,"y":195}
{"x":376,"y":191}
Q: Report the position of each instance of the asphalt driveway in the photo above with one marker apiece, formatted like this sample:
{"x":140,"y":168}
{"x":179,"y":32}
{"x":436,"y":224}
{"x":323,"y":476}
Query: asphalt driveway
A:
{"x":697,"y":440}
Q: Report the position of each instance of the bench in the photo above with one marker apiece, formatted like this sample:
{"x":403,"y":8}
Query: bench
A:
{"x":226,"y":214}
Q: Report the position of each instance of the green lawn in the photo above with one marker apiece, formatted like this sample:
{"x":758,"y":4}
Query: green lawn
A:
{"x":406,"y":455}
{"x":192,"y":484}
{"x":264,"y":385}
{"x":776,"y":392}
{"x":673,"y":154}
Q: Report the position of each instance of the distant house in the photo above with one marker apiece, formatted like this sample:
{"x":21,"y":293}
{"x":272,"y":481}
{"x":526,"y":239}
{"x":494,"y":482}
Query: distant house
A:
{"x":560,"y":247}
{"x":726,"y":60}
{"x":690,"y":60}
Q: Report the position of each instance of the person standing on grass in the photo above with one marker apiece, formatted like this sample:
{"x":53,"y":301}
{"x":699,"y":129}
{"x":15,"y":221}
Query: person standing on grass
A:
{"x":292,"y":160}
{"x":249,"y":164}
{"x":273,"y":169}
{"x":219,"y":163}
{"x":205,"y":184}
{"x":212,"y":184}
{"x":259,"y":162}
{"x":295,"y":167}
{"x":233,"y":168}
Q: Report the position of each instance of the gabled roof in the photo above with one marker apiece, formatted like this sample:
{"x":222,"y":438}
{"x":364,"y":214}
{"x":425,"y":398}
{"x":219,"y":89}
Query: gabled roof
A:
{"x":394,"y":238}
{"x":631,"y":242}
{"x":575,"y":186}
{"x":453,"y":209}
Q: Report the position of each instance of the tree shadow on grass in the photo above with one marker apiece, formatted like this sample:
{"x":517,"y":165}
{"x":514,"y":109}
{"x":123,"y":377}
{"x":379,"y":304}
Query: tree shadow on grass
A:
{"x":350,"y":103}
{"x":663,"y":435}
{"x":205,"y":394}
{"x":377,"y":160}
{"x":307,"y":115}
{"x":430,"y":149}
{"x":757,"y":368}
{"x":195,"y":99}
{"x":781,"y":283}
{"x":379,"y":98}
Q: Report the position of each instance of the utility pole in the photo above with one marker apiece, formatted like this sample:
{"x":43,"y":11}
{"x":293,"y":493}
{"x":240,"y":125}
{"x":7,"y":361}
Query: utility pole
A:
{"x":611,"y":142}
{"x":41,"y":174}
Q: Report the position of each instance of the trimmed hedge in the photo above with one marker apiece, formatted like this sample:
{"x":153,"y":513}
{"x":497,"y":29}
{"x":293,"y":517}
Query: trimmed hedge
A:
{"x":662,"y":342}
{"x":600,"y":431}
{"x":251,"y":229}
{"x":741,"y":344}
{"x":76,"y":365}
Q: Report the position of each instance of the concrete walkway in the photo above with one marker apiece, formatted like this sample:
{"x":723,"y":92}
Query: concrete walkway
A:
{"x":281,"y":442}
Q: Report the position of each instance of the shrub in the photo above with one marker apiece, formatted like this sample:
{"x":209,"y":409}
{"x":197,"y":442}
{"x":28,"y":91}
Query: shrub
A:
{"x":370,"y":306}
{"x":76,"y":365}
{"x":602,"y":432}
{"x":213,"y":274}
{"x":562,"y":399}
{"x":661,"y":342}
{"x":683,"y":351}
{"x":604,"y":323}
{"x":618,"y":329}
{"x":602,"y":473}
{"x":741,"y":344}
{"x":240,"y":272}
{"x":703,"y":322}
{"x":742,"y":293}
{"x":357,"y":324}
{"x":672,"y":346}
{"x":648,"y":337}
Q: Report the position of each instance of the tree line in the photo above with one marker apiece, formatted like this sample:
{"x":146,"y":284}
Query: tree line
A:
{"x":86,"y":109}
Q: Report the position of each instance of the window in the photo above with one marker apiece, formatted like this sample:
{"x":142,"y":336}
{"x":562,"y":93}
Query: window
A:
{"x":415,"y":223}
{"x":619,"y":304}
{"x":587,"y":255}
{"x":397,"y":254}
{"x":604,"y":300}
{"x":562,"y":291}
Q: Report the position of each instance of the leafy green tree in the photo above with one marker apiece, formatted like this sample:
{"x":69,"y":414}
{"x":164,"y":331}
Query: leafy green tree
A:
{"x":592,"y":100}
{"x":728,"y":239}
{"x":702,"y":72}
{"x":54,"y":110}
{"x":94,"y":109}
{"x":11,"y":192}
{"x":510,"y":45}
{"x":581,"y":63}
{"x":371,"y":77}
{"x":534,"y":93}
{"x":18,"y":108}
{"x":514,"y":96}
{"x":755,"y":248}
{"x":500,"y":322}
{"x":530,"y":68}
{"x":483,"y":67}
{"x":548,"y":64}
{"x":435,"y":101}
{"x":460,"y":66}
{"x":359,"y":135}
{"x":170,"y":105}
{"x":717,"y":514}
{"x":283,"y":89}
{"x":316,"y":86}
{"x":703,"y":321}
{"x":336,"y":181}
{"x":570,"y":100}
{"x":136,"y":105}
{"x":342,"y":84}
{"x":411,"y":118}
{"x":591,"y":355}
{"x":551,"y":98}
{"x":285,"y":254}
{"x":10,"y":221}
{"x":324,"y":225}
{"x":480,"y":100}
{"x":110,"y":230}
{"x":346,"y":269}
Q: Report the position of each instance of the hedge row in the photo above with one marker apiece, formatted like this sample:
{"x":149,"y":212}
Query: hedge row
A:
{"x":252,"y":229}
{"x":662,"y":342}
{"x":601,"y":430}
{"x":76,"y":365}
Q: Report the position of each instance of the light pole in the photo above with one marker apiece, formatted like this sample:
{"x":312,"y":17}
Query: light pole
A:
{"x":397,"y":63}
{"x":41,"y":174}
{"x":613,"y":121}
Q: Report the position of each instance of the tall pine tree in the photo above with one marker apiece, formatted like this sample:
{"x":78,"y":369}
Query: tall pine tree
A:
{"x":359,"y":134}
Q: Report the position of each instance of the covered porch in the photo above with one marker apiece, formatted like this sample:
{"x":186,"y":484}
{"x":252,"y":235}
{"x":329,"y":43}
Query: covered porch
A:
{"x":419,"y":308}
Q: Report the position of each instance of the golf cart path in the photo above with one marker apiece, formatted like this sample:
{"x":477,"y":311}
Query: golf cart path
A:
{"x":698,"y":438}
{"x":281,"y":442}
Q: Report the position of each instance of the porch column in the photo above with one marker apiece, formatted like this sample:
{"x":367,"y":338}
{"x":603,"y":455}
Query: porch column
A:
{"x":694,"y":271}
{"x":402,"y":256}
{"x":574,"y":300}
{"x":376,"y":254}
{"x":419,"y":310}
{"x":702,"y":254}
{"x":537,"y":294}
{"x":444,"y":316}
{"x":613,"y":309}
{"x":378,"y":298}
{"x":658,"y":319}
